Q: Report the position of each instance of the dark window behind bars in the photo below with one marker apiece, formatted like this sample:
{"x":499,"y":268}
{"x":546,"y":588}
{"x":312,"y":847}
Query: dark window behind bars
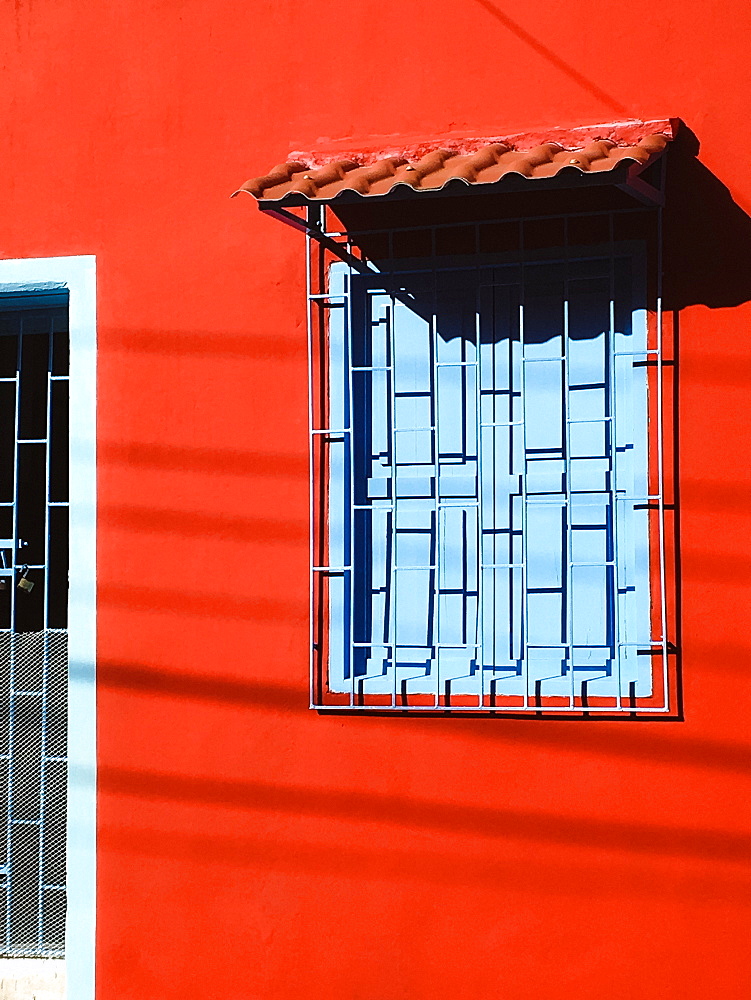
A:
{"x":33,"y":620}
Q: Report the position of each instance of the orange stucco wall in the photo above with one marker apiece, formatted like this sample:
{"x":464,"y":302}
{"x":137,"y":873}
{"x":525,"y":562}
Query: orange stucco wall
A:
{"x":249,"y":847}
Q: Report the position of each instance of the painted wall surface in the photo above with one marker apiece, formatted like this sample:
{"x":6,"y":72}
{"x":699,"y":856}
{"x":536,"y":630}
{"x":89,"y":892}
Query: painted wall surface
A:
{"x":247,"y":846}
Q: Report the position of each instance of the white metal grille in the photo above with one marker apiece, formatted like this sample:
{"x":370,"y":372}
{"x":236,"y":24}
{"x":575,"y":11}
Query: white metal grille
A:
{"x":487,"y":454}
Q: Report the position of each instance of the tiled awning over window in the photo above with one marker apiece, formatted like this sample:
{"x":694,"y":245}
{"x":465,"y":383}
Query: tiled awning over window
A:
{"x":592,"y":154}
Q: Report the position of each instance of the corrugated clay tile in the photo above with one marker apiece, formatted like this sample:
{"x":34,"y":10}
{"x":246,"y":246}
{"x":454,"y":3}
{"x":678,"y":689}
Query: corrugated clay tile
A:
{"x":653,"y":144}
{"x":431,"y":169}
{"x":282,"y":173}
{"x":530,"y":162}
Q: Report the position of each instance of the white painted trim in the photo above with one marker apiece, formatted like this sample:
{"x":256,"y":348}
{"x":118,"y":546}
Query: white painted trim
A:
{"x":78,"y":275}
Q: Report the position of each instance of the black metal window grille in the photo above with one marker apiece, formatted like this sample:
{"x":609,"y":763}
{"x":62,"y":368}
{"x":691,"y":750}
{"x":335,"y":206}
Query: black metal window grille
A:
{"x":34,"y":346}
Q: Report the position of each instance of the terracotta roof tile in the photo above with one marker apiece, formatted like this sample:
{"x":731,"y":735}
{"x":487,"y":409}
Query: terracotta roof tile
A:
{"x":426,"y":166}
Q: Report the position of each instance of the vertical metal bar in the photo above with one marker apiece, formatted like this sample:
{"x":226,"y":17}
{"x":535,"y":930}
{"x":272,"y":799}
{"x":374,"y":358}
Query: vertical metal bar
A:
{"x":12,"y":640}
{"x":434,"y":422}
{"x":611,"y":429}
{"x":490,"y":432}
{"x":48,"y":453}
{"x":660,"y":470}
{"x":391,"y":516}
{"x":479,"y":618}
{"x":45,"y":646}
{"x":16,"y":431}
{"x":394,"y":503}
{"x":515,"y":517}
{"x":311,"y":460}
{"x":349,"y":453}
{"x":523,"y":411}
{"x":569,"y":578}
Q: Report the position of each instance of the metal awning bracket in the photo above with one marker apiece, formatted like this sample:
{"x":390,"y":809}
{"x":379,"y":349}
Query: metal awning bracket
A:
{"x":312,"y":227}
{"x":642,"y":190}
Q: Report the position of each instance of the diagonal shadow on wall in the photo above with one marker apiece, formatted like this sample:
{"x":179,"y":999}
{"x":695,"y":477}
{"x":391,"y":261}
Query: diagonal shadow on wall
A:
{"x":707,"y":235}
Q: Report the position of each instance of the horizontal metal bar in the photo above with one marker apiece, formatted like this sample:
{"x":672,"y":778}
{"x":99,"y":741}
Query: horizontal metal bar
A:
{"x":406,"y":645}
{"x":550,"y":710}
{"x":605,"y":494}
{"x":494,"y":222}
{"x":388,"y":505}
{"x":47,"y":631}
{"x":635,"y":354}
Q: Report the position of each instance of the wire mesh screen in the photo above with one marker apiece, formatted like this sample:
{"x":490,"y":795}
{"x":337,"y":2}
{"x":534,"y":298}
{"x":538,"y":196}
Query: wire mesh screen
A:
{"x":33,"y":702}
{"x":487,"y":442}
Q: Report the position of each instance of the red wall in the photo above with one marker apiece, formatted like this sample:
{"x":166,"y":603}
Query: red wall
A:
{"x":249,"y":847}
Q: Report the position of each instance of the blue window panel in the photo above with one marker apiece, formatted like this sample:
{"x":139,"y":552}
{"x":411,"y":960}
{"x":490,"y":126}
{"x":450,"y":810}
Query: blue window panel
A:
{"x":547,"y":672}
{"x":590,"y":543}
{"x":545,"y":475}
{"x":546,"y":552}
{"x":588,"y":439}
{"x":502,"y":618}
{"x":372,"y":670}
{"x":592,"y":611}
{"x":543,"y":408}
{"x":516,"y":564}
{"x":412,"y":352}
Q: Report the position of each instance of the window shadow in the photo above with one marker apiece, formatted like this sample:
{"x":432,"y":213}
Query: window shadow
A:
{"x":707,"y":235}
{"x":438,"y":816}
{"x":176,"y":685}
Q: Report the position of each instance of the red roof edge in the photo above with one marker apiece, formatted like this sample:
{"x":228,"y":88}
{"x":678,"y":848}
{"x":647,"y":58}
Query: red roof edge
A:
{"x":409,"y":164}
{"x":412,"y":147}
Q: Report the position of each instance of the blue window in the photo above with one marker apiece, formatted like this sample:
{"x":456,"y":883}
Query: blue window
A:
{"x":487,"y":536}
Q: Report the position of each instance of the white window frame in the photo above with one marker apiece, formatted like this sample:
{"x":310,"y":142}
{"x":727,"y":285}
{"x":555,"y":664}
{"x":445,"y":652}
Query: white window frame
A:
{"x":77,"y":275}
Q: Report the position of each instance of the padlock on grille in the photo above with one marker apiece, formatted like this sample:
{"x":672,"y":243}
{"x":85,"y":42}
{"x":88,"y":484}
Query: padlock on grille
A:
{"x":24,"y":583}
